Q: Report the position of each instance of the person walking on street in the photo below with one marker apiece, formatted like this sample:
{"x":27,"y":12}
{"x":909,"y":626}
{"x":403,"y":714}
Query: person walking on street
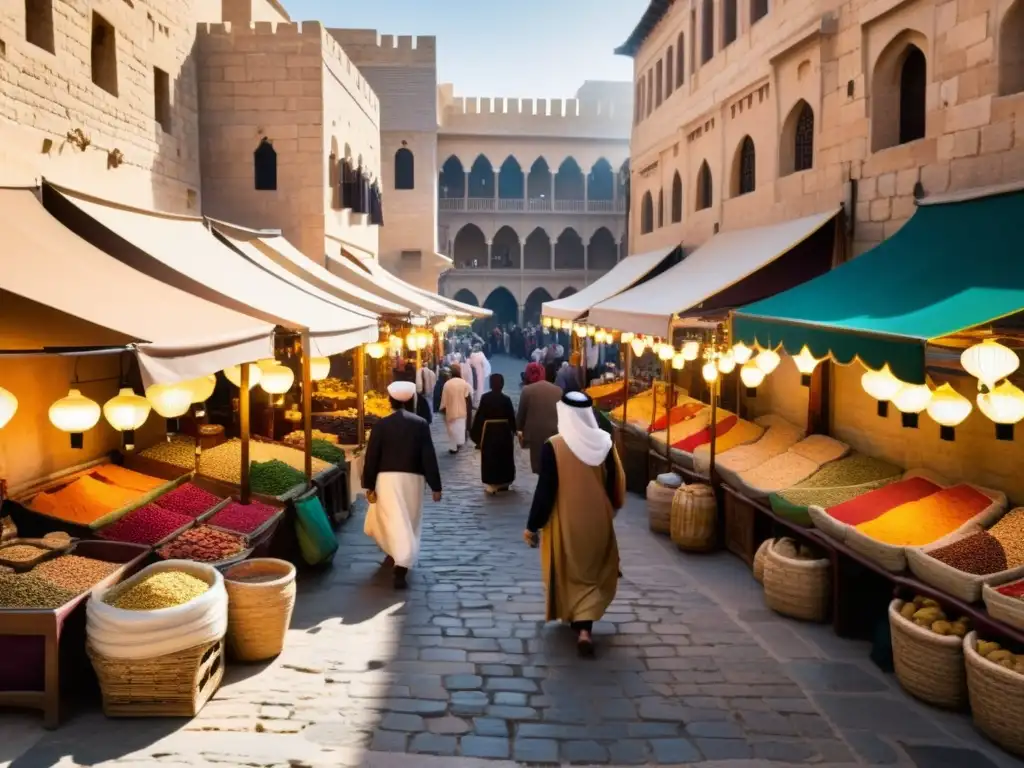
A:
{"x":400,"y":461}
{"x":537,"y":418}
{"x":568,"y":376}
{"x":494,"y":433}
{"x":580,"y":488}
{"x":457,"y":407}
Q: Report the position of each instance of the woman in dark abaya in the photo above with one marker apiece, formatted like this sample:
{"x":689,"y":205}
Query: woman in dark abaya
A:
{"x":493,"y":432}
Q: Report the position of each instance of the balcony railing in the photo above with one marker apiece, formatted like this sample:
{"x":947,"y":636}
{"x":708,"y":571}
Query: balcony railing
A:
{"x":531,"y":205}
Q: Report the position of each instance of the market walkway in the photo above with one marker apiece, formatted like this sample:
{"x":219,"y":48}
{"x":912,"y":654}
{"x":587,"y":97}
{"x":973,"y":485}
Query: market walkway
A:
{"x":692,"y":669}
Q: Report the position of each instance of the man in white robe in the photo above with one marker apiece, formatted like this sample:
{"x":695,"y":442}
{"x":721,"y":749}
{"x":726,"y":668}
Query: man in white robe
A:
{"x":456,"y":405}
{"x":481,"y":369}
{"x":400,"y":461}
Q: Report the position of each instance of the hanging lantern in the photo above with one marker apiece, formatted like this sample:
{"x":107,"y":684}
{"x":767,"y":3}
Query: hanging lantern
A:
{"x":8,"y":407}
{"x":665,"y":352}
{"x":126,"y":412}
{"x":277,"y":380}
{"x":545,"y":322}
{"x":376,"y":350}
{"x":989,"y":362}
{"x":805,"y":363}
{"x":234,"y":375}
{"x":411,"y":341}
{"x":451,"y":319}
{"x":910,"y":400}
{"x":626,"y":337}
{"x":752,"y":377}
{"x":768,"y":360}
{"x":1005,"y":406}
{"x":75,"y":414}
{"x":319,"y":368}
{"x":709,"y":372}
{"x":581,"y":331}
{"x":727,"y":363}
{"x":650,"y":341}
{"x":949,"y":409}
{"x":691,"y":350}
{"x":742,"y":353}
{"x":591,"y":330}
{"x":638,"y":346}
{"x":678,"y":361}
{"x":170,"y":401}
{"x":601,"y":337}
{"x":267,"y":363}
{"x":882,"y":386}
{"x":396,"y":343}
{"x":202,"y":388}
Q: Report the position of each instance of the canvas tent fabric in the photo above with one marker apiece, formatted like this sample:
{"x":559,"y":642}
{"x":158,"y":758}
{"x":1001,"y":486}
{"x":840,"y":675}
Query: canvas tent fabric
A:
{"x":722,"y":262}
{"x":953,"y":266}
{"x":176,"y":335}
{"x":181,"y":251}
{"x":623,"y":276}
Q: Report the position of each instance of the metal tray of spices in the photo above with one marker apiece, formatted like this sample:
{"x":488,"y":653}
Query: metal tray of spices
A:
{"x":48,"y":548}
{"x":255,"y":535}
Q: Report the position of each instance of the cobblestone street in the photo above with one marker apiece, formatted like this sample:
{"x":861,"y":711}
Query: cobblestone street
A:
{"x":691,"y":668}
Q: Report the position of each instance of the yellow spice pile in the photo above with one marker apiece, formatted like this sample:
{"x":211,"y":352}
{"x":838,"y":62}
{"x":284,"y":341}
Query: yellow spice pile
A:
{"x":161,"y":590}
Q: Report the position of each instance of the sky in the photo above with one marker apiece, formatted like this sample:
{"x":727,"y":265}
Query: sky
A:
{"x":501,"y":48}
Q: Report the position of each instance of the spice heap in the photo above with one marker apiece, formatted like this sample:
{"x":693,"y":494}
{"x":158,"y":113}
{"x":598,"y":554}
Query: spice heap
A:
{"x":260,"y":451}
{"x":274,"y":477}
{"x":203,"y":544}
{"x":165,"y":589}
{"x":326,"y":451}
{"x":243,"y":518}
{"x":21,"y":553}
{"x":126,"y":478}
{"x":74,"y":573}
{"x":336,"y":388}
{"x":1015,"y":589}
{"x":921,"y":522}
{"x":178,"y":450}
{"x":344,"y":425}
{"x":997,"y":549}
{"x":297,"y":439}
{"x":999,"y":655}
{"x":870,"y":506}
{"x":188,"y":499}
{"x":225,"y":461}
{"x":26,"y":590}
{"x":84,"y":501}
{"x":855,"y":469}
{"x":149,"y":525}
{"x":927,"y":613}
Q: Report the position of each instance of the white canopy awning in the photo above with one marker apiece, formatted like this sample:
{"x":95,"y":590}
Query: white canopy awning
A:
{"x":176,"y":335}
{"x":724,"y":260}
{"x":623,"y":276}
{"x":181,"y":251}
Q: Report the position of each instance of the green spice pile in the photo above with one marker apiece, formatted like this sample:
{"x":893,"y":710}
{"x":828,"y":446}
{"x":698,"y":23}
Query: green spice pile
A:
{"x":166,"y":589}
{"x":21,"y":553}
{"x":26,"y":590}
{"x":74,"y":573}
{"x":274,"y":477}
{"x":326,"y":451}
{"x":853,"y":470}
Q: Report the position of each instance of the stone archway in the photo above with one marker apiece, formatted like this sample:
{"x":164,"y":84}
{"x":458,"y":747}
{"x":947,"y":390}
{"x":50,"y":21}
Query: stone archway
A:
{"x":466,"y":296}
{"x":533,"y":304}
{"x":537,"y":251}
{"x":481,"y":178}
{"x":470,"y":248}
{"x":566,"y":292}
{"x":505,"y":249}
{"x":603,"y":251}
{"x":451,"y":181}
{"x":504,"y":306}
{"x":601,"y":182}
{"x":569,"y":253}
{"x":511,"y":180}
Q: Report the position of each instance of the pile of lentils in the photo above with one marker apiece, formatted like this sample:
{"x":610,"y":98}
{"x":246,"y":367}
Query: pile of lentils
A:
{"x":190,"y":500}
{"x":22,"y":553}
{"x":203,"y":544}
{"x":148,"y":525}
{"x":999,"y":548}
{"x":243,"y":518}
{"x":274,"y":477}
{"x":74,"y":573}
{"x":166,"y":589}
{"x":178,"y":450}
{"x":26,"y":590}
{"x":326,"y":451}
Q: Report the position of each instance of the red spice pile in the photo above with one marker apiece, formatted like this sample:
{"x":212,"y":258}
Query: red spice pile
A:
{"x":150,"y":525}
{"x":244,"y":518}
{"x":203,"y":544}
{"x":1016,"y":589}
{"x":188,"y":499}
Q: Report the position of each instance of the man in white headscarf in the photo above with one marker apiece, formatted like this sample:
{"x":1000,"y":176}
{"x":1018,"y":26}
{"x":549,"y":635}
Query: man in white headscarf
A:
{"x":400,"y":461}
{"x":580,"y":487}
{"x":481,"y":367}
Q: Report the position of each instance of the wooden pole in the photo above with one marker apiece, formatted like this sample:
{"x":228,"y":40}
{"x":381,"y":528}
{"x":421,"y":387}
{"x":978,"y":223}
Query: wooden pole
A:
{"x":360,"y":388}
{"x":667,"y":375}
{"x":307,"y":406}
{"x":715,"y":388}
{"x":243,"y":425}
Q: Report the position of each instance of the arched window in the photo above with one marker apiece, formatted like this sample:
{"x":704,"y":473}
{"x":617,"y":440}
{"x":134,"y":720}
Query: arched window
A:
{"x":659,"y":82}
{"x":650,"y":91}
{"x":1011,"y":50}
{"x":405,"y":169}
{"x":796,"y":149}
{"x":729,"y":25}
{"x":661,"y":208}
{"x":647,"y":214}
{"x":707,"y":31}
{"x":680,"y":60}
{"x":704,"y":188}
{"x":265,"y":165}
{"x":745,"y":167}
{"x":669,"y":81}
{"x":913,"y":84}
{"x":758,"y":10}
{"x":677,"y":198}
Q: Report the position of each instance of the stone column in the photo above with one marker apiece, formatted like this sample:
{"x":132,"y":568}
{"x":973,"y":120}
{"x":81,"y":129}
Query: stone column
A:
{"x":551,"y":245}
{"x":526,"y":191}
{"x":465,"y":193}
{"x":490,"y":253}
{"x":586,"y":190}
{"x":552,"y":190}
{"x":522,"y":256}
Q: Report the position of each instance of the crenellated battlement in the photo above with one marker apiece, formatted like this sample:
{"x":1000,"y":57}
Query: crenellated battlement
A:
{"x":368,"y":47}
{"x":545,"y":108}
{"x":270,"y":38}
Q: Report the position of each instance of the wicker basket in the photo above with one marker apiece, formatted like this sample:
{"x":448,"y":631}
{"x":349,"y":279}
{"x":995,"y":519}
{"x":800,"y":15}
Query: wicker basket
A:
{"x":930,"y":667}
{"x":800,"y":589}
{"x":759,"y":557}
{"x":659,"y":507}
{"x":176,"y":685}
{"x":694,"y":518}
{"x":1003,"y":607}
{"x":997,"y":698}
{"x":261,"y":597}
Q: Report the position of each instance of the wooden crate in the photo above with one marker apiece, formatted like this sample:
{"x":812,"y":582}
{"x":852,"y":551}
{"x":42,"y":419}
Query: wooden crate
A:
{"x":740,"y":524}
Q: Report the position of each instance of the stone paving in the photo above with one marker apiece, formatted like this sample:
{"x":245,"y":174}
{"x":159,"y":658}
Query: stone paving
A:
{"x":461,"y":672}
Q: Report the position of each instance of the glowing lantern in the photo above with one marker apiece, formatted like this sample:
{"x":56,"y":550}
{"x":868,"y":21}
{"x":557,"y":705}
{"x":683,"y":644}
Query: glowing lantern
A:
{"x":396,"y":343}
{"x":741,"y":352}
{"x":709,"y":372}
{"x":626,"y":337}
{"x":202,"y":388}
{"x":601,"y":337}
{"x":665,"y":352}
{"x":678,"y":361}
{"x":912,"y":398}
{"x":1005,"y":406}
{"x":546,"y":322}
{"x":277,"y":380}
{"x":948,"y":408}
{"x":170,"y":400}
{"x":591,"y":330}
{"x":691,"y":350}
{"x":126,"y":412}
{"x":882,"y":386}
{"x":805,"y":363}
{"x":411,"y":341}
{"x":989,"y":362}
{"x":451,"y":319}
{"x":556,"y":323}
{"x":75,"y":414}
{"x":234,"y":375}
{"x":319,"y":368}
{"x":8,"y":407}
{"x":751,"y":375}
{"x":267,"y":363}
{"x":638,"y":346}
{"x":376,"y":350}
{"x":768,"y":360}
{"x":727,"y":363}
{"x":581,"y":331}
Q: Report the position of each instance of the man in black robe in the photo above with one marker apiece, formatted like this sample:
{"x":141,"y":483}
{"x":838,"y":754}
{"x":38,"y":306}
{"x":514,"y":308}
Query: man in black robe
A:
{"x":493,"y":432}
